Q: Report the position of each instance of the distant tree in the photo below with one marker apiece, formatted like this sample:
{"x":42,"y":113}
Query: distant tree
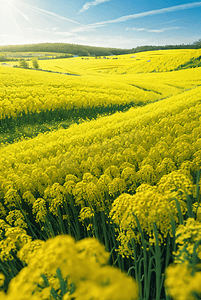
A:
{"x":35,"y":63}
{"x":23,"y":64}
{"x":82,"y":50}
{"x":198,"y":43}
{"x":3,"y":57}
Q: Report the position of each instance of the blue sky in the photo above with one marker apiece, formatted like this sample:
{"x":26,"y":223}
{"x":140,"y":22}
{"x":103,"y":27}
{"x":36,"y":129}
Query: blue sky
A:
{"x":106,"y":23}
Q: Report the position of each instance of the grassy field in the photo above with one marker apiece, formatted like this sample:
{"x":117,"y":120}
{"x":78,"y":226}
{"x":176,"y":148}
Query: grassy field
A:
{"x":100,"y":178}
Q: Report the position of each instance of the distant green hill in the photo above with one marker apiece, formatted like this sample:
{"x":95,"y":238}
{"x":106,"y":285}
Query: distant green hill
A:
{"x":65,"y":48}
{"x":82,"y":50}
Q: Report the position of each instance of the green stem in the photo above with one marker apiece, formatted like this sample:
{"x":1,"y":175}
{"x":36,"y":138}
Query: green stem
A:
{"x":136,"y":266}
{"x":181,"y":219}
{"x":158,"y":263}
{"x":27,"y":220}
{"x":66,"y":209}
{"x":145,"y":266}
{"x":75,"y":218}
{"x":104,"y":231}
{"x":96,"y":227}
{"x":61,"y":223}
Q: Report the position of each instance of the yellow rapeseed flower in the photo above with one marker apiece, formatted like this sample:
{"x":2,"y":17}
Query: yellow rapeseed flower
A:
{"x":2,"y":279}
{"x":82,"y":264}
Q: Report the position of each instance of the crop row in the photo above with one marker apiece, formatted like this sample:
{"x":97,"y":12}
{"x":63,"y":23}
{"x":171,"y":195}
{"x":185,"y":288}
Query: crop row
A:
{"x":95,"y":162}
{"x":33,"y":96}
{"x":144,"y":62}
{"x":25,"y":93}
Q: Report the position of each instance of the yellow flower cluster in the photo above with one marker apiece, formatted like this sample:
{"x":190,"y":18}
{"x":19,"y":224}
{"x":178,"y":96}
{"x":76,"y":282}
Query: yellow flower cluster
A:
{"x":12,"y":239}
{"x":27,"y":251}
{"x":16,"y":218}
{"x":187,"y":236}
{"x":40,"y":210}
{"x":180,"y":284}
{"x":150,"y":204}
{"x":81,"y":264}
{"x":183,"y":277}
{"x":86,"y":213}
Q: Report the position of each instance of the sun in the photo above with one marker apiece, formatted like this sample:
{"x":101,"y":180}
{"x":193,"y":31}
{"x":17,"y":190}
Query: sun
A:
{"x":8,"y":13}
{"x":6,"y":4}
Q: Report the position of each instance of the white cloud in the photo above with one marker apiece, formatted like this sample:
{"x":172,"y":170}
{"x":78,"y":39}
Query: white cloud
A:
{"x":151,"y":13}
{"x":152,"y":30}
{"x":172,"y":21}
{"x":162,"y":29}
{"x":88,"y":4}
{"x":136,"y":29}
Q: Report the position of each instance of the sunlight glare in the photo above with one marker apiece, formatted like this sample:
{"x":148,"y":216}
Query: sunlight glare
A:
{"x":6,"y":4}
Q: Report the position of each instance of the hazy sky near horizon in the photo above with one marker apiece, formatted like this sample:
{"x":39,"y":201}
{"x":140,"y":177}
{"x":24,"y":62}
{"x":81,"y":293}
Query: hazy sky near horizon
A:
{"x":106,"y":23}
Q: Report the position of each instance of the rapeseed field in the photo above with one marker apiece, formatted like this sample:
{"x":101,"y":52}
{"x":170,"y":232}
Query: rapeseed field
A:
{"x":100,"y":189}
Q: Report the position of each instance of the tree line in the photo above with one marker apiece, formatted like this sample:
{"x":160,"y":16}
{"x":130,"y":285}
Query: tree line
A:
{"x":83,"y":50}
